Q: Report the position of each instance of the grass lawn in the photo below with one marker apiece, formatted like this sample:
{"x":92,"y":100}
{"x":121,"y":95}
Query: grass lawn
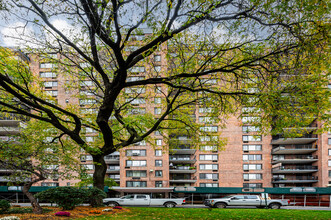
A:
{"x":197,"y":213}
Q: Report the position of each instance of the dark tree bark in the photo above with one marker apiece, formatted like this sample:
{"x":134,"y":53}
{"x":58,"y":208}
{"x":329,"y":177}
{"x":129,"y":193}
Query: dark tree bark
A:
{"x":100,"y":168}
{"x":35,"y":204}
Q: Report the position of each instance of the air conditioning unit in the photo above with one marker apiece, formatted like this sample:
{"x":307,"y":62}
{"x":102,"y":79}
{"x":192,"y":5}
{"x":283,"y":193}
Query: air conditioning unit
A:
{"x":215,"y":160}
{"x":246,"y":151}
{"x":127,"y":167}
{"x":215,"y":170}
{"x":215,"y":180}
{"x":136,"y":178}
{"x":246,"y":180}
{"x":214,"y":151}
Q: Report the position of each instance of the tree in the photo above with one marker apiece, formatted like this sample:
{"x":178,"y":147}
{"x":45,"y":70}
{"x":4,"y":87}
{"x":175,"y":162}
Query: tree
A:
{"x":255,"y":51}
{"x":32,"y":157}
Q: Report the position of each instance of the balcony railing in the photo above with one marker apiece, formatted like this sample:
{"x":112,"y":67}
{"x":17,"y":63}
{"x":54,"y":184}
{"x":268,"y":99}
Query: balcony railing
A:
{"x":298,"y":157}
{"x":295,"y":178}
{"x":294,"y":168}
{"x":279,"y":136}
{"x":295,"y":147}
{"x":112,"y":157}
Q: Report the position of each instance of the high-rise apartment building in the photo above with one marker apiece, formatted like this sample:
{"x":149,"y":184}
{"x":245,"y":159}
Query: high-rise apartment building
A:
{"x":248,"y":160}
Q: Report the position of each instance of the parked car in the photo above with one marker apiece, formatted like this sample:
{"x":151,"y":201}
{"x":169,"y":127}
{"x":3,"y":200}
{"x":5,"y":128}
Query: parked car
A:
{"x":246,"y":200}
{"x":143,"y":200}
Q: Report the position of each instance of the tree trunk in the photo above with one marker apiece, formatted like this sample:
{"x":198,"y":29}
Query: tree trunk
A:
{"x":100,"y":168}
{"x":35,"y":205}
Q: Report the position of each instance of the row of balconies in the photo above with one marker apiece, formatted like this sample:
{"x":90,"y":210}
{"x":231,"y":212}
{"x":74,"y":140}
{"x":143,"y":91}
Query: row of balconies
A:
{"x":295,"y":179}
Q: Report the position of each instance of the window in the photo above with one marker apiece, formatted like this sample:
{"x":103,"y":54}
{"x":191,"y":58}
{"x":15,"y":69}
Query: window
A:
{"x":141,"y":153}
{"x":51,"y":92}
{"x":329,"y":141}
{"x":140,"y":143}
{"x":205,"y":110}
{"x":250,"y":109}
{"x":252,"y":185}
{"x":50,"y":84}
{"x":50,"y":184}
{"x":137,"y":111}
{"x":158,"y":142}
{"x":157,"y":68}
{"x":136,"y":163}
{"x":84,"y":158}
{"x":158,"y":163}
{"x":87,"y":101}
{"x":208,"y":184}
{"x":137,"y":69}
{"x":329,"y":152}
{"x":252,"y":176}
{"x":208,"y":157}
{"x":157,"y":133}
{"x":88,"y":166}
{"x":208,"y":138}
{"x":112,"y":167}
{"x":86,"y":83}
{"x":158,"y":89}
{"x":89,"y":139}
{"x":136,"y":173}
{"x":136,"y":184}
{"x":158,"y":184}
{"x":252,"y":138}
{"x":250,"y":119}
{"x":158,"y":173}
{"x":252,"y":157}
{"x":209,"y":81}
{"x":139,"y":90}
{"x":157,"y":111}
{"x":47,"y":75}
{"x":247,"y":129}
{"x":158,"y":153}
{"x":329,"y":163}
{"x":157,"y":58}
{"x":157,"y":100}
{"x":67,"y":100}
{"x":252,"y":166}
{"x":329,"y":173}
{"x":208,"y":148}
{"x":205,"y":119}
{"x":47,"y":65}
{"x":209,"y":176}
{"x":86,"y":93}
{"x":136,"y":101}
{"x":209,"y":128}
{"x":135,"y":78}
{"x":208,"y":166}
{"x":252,"y":147}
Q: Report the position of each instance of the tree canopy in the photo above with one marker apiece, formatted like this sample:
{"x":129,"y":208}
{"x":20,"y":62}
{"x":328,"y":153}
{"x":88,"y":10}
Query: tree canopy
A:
{"x":265,"y":59}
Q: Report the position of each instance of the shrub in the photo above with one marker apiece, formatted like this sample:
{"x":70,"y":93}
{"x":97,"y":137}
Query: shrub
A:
{"x":25,"y":210}
{"x":117,"y":207}
{"x":63,"y":214}
{"x":95,"y":195}
{"x":4,"y":206}
{"x":65,"y":197}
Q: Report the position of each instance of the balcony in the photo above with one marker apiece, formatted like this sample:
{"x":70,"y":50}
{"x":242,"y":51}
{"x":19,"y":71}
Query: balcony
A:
{"x":281,"y":140}
{"x":182,"y":169}
{"x":298,"y":159}
{"x":181,"y":146}
{"x":186,"y":178}
{"x":112,"y":159}
{"x":113,"y":169}
{"x":116,"y":178}
{"x":295,"y":169}
{"x":294,"y":149}
{"x":298,"y":179}
{"x":181,"y":159}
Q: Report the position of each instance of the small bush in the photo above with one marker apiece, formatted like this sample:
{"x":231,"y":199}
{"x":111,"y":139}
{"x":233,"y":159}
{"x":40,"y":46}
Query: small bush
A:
{"x":4,"y":206}
{"x":63,"y":214}
{"x":95,"y":195}
{"x":65,"y":197}
{"x":25,"y":210}
{"x":117,"y":207}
